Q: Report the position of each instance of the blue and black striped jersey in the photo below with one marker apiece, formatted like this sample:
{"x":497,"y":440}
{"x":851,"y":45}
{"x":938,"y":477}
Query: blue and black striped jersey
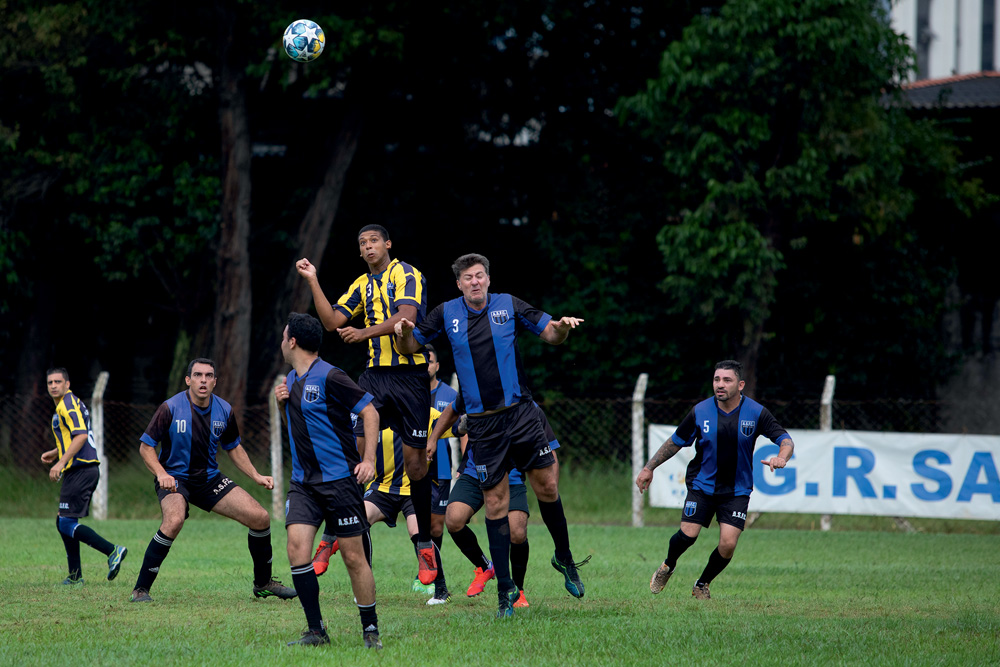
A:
{"x":189,"y":436}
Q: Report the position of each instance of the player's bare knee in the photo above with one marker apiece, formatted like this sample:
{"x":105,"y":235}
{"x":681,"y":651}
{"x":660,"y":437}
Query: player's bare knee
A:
{"x":259,"y":520}
{"x":171,"y":527}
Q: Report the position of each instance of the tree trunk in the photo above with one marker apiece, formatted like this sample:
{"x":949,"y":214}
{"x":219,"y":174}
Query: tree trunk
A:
{"x":311,"y":240}
{"x":231,"y":349}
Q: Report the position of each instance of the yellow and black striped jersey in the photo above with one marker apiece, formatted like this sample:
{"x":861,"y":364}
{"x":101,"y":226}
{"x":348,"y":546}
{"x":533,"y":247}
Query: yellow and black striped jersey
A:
{"x":389,"y":471}
{"x":377,"y":298}
{"x":70,"y":419}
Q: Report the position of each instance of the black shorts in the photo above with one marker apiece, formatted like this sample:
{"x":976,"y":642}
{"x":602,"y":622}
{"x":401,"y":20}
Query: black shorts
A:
{"x":77,"y":488}
{"x":467,"y":491}
{"x":402,"y":398}
{"x":203,"y":495}
{"x":338,"y":503}
{"x":440,"y":492}
{"x":729,"y":509}
{"x":390,"y":505}
{"x":504,"y":440}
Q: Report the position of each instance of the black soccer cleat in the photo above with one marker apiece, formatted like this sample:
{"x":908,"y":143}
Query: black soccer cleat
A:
{"x":72,"y":581}
{"x":115,"y":561}
{"x":569,"y":571}
{"x":311,"y":638}
{"x":274,"y":588}
{"x":505,"y":608}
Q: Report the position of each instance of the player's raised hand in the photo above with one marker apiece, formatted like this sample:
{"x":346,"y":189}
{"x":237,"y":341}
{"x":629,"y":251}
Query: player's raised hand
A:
{"x":305,"y":268}
{"x":774,"y":462}
{"x":567,"y":323}
{"x":643,"y":480}
{"x":403,"y":327}
{"x":281,"y":392}
{"x":365,"y":472}
{"x":351,"y":335}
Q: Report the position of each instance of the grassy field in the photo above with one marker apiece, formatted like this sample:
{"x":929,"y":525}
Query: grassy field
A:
{"x":790,"y":597}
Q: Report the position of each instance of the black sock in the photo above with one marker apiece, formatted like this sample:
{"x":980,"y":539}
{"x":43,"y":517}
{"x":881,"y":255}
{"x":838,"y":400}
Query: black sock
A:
{"x":555,"y":521}
{"x":87,"y":535}
{"x":439,"y":581}
{"x":519,"y":562}
{"x":679,"y":543}
{"x":716,"y":564}
{"x":420,"y":495}
{"x":307,"y":586}
{"x":259,"y":542}
{"x":157,"y":550}
{"x":72,"y":554}
{"x":467,"y":543}
{"x":498,"y":531}
{"x":369,"y":617}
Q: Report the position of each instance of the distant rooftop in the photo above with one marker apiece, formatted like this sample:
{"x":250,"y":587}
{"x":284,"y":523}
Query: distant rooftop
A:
{"x":964,"y":91}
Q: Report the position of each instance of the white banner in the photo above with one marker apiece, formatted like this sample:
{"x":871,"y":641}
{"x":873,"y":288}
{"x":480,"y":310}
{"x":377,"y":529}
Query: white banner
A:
{"x":860,"y":472}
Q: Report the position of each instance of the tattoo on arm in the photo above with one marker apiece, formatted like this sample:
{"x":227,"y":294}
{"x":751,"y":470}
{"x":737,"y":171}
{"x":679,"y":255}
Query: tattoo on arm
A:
{"x":664,"y":453}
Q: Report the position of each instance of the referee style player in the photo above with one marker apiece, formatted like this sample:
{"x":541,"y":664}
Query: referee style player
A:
{"x":390,"y":291}
{"x":189,"y":428}
{"x":74,"y":460}
{"x":318,"y":400}
{"x":724,"y":430}
{"x":505,"y":425}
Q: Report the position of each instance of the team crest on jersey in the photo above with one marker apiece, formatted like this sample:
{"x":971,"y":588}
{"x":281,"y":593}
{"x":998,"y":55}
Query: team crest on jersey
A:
{"x":218,"y":427}
{"x":391,"y":291}
{"x":690,"y":507}
{"x":55,"y":420}
{"x":747,"y":427}
{"x":499,"y":316}
{"x":311,"y":393}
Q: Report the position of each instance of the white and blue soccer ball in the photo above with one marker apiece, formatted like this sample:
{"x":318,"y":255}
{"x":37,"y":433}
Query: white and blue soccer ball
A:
{"x":303,"y":40}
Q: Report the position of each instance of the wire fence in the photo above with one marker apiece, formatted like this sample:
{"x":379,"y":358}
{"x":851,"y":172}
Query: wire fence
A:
{"x":594,"y":432}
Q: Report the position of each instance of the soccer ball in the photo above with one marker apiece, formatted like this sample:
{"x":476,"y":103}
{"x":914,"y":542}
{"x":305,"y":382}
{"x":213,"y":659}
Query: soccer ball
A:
{"x":304,"y":40}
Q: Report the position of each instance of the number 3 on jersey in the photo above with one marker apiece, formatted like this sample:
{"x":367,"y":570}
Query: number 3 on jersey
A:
{"x":454,"y":325}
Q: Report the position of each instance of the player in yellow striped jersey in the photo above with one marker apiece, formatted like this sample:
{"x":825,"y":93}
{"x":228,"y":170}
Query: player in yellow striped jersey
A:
{"x":74,"y":461}
{"x":385,"y":497}
{"x":390,"y":291}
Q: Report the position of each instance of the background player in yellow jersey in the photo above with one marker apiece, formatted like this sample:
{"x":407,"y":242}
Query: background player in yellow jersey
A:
{"x":390,"y":291}
{"x":74,"y":460}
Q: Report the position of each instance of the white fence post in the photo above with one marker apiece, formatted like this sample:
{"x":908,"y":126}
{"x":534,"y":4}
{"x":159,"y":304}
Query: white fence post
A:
{"x":277,"y":466}
{"x":638,"y":440}
{"x":454,"y":443}
{"x":826,"y":424}
{"x":100,"y":500}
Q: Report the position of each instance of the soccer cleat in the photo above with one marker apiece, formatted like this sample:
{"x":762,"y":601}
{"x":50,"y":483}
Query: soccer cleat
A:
{"x":479,"y":583}
{"x":274,"y":588}
{"x":321,"y":559}
{"x":440,"y":596}
{"x":507,"y":599}
{"x":660,"y":578}
{"x":568,"y":570}
{"x":522,"y":601}
{"x":140,"y":595}
{"x":72,"y":581}
{"x":418,"y":587}
{"x":427,"y":562}
{"x":115,"y":561}
{"x":700,"y":592}
{"x":372,"y":640}
{"x":311,"y":638}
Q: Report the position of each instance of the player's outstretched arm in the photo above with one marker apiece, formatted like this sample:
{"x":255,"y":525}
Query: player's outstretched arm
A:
{"x":556,"y":331}
{"x":785,"y":449}
{"x":50,"y":457}
{"x":405,"y":342}
{"x":664,"y":453}
{"x":331,"y":319}
{"x":386,"y":328}
{"x":242,"y":461}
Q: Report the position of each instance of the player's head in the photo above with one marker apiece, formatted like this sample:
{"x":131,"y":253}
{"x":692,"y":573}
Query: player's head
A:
{"x":201,"y":379}
{"x":728,"y":380}
{"x":375,"y":244}
{"x":303,"y":332}
{"x":432,"y":360}
{"x":57,"y":382}
{"x":472,"y":274}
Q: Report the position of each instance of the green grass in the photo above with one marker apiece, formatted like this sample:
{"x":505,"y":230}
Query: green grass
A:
{"x":789,"y":597}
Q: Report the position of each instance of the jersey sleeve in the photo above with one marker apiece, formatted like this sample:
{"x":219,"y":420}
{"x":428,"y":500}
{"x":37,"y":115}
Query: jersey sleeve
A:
{"x":529,"y":317}
{"x":431,"y":327}
{"x":342,"y":388}
{"x":158,"y":426}
{"x":409,"y":287}
{"x":70,"y":412}
{"x":349,"y":302}
{"x":687,"y":431}
{"x":230,"y":438}
{"x":769,"y":426}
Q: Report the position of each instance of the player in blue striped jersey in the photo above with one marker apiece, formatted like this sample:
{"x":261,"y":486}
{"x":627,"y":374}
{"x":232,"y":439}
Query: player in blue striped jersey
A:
{"x":505,"y":430}
{"x":189,"y":428}
{"x":328,"y":472}
{"x":724,"y":430}
{"x":74,"y":461}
